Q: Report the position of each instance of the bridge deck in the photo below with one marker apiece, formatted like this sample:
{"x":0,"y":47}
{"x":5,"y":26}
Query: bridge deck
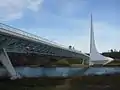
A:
{"x":15,"y":40}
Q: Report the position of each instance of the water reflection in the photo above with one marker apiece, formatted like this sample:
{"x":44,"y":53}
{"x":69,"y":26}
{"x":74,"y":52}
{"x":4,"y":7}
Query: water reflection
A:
{"x":60,"y":71}
{"x":102,"y":70}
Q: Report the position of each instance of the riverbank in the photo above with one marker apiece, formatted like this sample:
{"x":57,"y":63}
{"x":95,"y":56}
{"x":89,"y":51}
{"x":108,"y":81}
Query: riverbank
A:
{"x":98,"y":82}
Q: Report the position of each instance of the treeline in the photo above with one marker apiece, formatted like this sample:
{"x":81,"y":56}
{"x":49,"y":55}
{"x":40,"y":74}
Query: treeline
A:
{"x":115,"y":55}
{"x":111,"y":53}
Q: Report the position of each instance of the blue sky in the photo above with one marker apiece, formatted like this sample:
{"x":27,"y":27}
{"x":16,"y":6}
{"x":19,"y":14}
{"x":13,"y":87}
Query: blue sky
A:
{"x":66,"y":21}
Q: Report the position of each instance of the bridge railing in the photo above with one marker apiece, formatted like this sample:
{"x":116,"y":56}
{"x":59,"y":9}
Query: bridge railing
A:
{"x":35,"y":37}
{"x":18,"y":31}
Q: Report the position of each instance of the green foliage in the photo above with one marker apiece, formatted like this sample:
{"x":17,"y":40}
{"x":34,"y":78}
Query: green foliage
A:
{"x":115,"y":55}
{"x":74,"y":61}
{"x":62,"y":62}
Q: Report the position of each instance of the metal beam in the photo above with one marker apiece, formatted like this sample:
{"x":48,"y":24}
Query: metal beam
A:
{"x":4,"y":43}
{"x":4,"y":59}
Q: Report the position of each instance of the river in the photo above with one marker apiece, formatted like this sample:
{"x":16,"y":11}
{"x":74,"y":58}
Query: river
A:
{"x":60,"y":71}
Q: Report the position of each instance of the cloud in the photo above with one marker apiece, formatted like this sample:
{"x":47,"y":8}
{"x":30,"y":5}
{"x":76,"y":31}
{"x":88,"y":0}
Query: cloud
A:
{"x":14,"y":9}
{"x":72,"y":8}
{"x":34,"y":4}
{"x":55,"y":25}
{"x":67,"y":8}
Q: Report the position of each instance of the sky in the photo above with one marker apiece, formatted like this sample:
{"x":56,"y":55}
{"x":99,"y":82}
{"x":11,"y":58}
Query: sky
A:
{"x":66,"y":21}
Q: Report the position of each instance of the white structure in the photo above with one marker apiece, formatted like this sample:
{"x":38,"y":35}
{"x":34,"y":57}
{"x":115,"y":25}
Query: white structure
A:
{"x":4,"y":59}
{"x":95,"y":57}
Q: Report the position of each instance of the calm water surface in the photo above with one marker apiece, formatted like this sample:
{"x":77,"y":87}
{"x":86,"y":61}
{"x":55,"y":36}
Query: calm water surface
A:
{"x":60,"y":71}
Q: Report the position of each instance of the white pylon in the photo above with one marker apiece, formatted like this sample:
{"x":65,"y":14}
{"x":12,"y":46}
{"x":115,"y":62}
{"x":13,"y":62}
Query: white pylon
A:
{"x":95,"y":56}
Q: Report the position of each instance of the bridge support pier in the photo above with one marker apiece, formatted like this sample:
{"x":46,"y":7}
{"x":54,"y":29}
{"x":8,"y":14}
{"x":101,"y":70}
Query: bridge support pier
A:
{"x":83,"y":61}
{"x":4,"y":59}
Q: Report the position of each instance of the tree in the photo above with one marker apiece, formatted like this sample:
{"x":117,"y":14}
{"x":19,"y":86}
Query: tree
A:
{"x":70,"y":47}
{"x":62,"y":62}
{"x":111,"y":50}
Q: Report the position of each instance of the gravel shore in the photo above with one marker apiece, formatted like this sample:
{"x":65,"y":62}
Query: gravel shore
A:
{"x":98,"y":82}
